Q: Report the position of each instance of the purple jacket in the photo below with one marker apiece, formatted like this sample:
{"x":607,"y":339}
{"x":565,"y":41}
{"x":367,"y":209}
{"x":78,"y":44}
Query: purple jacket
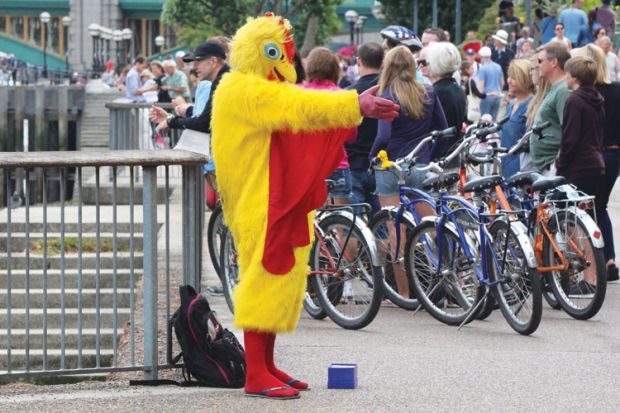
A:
{"x":401,"y":136}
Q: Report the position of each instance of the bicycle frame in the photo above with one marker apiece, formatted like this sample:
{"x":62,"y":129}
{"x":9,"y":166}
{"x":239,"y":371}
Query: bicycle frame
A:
{"x":345,"y":211}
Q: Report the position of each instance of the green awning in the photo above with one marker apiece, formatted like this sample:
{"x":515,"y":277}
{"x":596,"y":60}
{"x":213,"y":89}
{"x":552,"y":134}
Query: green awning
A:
{"x":141,"y":8}
{"x":29,"y":53}
{"x":34,"y":7}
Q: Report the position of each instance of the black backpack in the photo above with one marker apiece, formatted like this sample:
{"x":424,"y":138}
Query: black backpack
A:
{"x":212,"y":355}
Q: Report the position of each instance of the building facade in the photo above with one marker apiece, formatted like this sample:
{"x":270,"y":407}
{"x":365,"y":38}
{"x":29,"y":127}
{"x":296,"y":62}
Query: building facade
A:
{"x":67,"y":40}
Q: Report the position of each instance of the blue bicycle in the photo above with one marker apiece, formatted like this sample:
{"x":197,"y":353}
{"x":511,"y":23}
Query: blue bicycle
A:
{"x":455,"y":259}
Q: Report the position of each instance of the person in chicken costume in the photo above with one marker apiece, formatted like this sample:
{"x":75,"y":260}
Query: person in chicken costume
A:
{"x":274,"y":145}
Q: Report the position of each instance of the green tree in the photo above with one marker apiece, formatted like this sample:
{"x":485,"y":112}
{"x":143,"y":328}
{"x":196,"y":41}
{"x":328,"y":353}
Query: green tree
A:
{"x":195,"y":20}
{"x":401,"y":12}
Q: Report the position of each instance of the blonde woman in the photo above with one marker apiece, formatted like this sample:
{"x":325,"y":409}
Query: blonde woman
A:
{"x":542,"y":87}
{"x":611,"y":146}
{"x":420,"y":113}
{"x":520,"y":86}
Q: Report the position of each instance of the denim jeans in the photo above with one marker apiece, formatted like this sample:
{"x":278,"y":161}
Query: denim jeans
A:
{"x":363,"y":189}
{"x":387,"y":181}
{"x":490,"y":105}
{"x":342,"y":187}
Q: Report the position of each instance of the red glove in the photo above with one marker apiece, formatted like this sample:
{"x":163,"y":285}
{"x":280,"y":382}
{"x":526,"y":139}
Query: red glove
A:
{"x":374,"y":107}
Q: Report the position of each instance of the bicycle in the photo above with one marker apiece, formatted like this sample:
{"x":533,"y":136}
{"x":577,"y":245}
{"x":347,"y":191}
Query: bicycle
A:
{"x":345,"y":281}
{"x":390,"y":223}
{"x":472,"y":265}
{"x":567,"y":241}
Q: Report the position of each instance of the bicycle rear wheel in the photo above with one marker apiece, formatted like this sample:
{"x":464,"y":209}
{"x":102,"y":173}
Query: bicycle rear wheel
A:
{"x":311,"y":302}
{"x":518,"y":291}
{"x":448,"y":289}
{"x":349,"y":285}
{"x":581,"y":288}
{"x":229,"y":267}
{"x":383,"y":227}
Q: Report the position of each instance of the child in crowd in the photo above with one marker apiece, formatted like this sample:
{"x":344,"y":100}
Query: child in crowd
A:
{"x":580,"y":159}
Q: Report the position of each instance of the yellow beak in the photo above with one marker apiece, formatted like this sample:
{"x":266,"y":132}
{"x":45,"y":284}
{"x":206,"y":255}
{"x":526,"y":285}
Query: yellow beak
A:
{"x":285,"y":70}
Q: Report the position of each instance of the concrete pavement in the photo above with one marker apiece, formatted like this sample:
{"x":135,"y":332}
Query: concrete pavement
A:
{"x":405,"y":363}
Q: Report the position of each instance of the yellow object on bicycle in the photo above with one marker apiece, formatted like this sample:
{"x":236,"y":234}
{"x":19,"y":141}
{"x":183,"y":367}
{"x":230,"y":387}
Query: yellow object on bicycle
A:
{"x":385,"y":162}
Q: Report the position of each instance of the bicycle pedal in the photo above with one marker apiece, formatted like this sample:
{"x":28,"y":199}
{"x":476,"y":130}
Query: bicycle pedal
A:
{"x":464,"y":263}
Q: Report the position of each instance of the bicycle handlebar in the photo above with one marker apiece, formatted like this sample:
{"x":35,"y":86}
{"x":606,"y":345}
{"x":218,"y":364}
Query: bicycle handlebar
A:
{"x":525,"y":140}
{"x":382,"y":162}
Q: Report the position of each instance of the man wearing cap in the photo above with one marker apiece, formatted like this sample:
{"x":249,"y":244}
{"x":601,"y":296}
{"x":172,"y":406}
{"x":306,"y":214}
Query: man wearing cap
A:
{"x":574,"y":19}
{"x":209,"y":64}
{"x":175,"y":82}
{"x":501,"y":54}
{"x":491,"y":80}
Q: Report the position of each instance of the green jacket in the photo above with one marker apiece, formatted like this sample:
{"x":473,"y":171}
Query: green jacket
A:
{"x":544,"y":151}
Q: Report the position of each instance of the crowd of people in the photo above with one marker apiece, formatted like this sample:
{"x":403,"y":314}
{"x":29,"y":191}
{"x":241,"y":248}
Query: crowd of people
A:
{"x":525,"y":75}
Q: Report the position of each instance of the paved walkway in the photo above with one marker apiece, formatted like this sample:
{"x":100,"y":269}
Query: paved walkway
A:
{"x":405,"y":363}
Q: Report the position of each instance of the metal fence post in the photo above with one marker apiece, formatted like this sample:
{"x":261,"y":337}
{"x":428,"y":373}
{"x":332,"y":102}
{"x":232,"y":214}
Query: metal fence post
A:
{"x":150,"y":272}
{"x":193,"y":217}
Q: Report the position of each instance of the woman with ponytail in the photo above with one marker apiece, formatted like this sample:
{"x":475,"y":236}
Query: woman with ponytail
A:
{"x":420,"y":113}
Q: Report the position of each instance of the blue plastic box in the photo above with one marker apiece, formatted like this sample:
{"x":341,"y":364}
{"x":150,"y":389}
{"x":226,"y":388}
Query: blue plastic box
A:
{"x":342,"y":376}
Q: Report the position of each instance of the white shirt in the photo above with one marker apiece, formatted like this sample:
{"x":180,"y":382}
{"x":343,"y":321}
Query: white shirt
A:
{"x":613,"y":65}
{"x":564,"y":40}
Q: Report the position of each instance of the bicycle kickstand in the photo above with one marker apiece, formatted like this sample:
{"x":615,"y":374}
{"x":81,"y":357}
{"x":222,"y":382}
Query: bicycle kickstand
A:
{"x":473,"y":313}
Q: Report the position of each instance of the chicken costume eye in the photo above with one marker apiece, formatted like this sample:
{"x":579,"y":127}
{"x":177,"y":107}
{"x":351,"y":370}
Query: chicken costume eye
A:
{"x":272,"y":51}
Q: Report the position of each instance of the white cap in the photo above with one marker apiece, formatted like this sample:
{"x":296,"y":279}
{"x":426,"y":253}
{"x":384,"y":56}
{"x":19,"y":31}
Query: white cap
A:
{"x":180,"y":54}
{"x":169,"y":63}
{"x":484,"y":52}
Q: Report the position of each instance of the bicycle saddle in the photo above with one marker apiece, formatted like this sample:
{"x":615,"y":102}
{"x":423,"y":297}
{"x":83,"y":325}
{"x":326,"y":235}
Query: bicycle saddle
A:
{"x":480,"y":184}
{"x":521,"y":179}
{"x":544,"y":184}
{"x":436,"y":182}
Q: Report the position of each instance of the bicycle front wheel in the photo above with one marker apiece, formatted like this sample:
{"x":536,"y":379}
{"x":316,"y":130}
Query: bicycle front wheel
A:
{"x":581,"y":288}
{"x":447,"y":286}
{"x":345,"y":279}
{"x":384,"y":228}
{"x":518,"y":290}
{"x":215,"y":230}
{"x":229,"y":267}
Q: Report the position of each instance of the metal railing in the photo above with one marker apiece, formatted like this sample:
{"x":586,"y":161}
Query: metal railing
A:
{"x":70,"y":271}
{"x":133,"y":118}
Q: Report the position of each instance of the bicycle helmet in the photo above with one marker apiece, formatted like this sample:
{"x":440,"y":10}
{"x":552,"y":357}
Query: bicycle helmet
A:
{"x":400,"y":35}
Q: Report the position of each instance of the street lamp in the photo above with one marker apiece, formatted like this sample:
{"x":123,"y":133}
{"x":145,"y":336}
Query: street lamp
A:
{"x":359,"y":27}
{"x":127,"y":35}
{"x":66,"y":22}
{"x":351,"y":17}
{"x":117,"y":36}
{"x":377,"y":10}
{"x":95,"y":31}
{"x":106,"y":35}
{"x":45,"y":19}
{"x":159,"y":41}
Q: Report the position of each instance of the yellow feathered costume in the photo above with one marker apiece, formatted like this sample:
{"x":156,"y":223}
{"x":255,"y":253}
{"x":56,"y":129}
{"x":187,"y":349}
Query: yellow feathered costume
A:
{"x":251,"y":105}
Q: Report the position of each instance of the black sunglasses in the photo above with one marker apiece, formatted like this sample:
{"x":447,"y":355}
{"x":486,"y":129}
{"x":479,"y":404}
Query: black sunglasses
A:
{"x":422,"y":62}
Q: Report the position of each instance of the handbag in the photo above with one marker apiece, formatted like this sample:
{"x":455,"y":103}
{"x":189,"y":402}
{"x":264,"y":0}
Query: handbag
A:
{"x":473,"y":105}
